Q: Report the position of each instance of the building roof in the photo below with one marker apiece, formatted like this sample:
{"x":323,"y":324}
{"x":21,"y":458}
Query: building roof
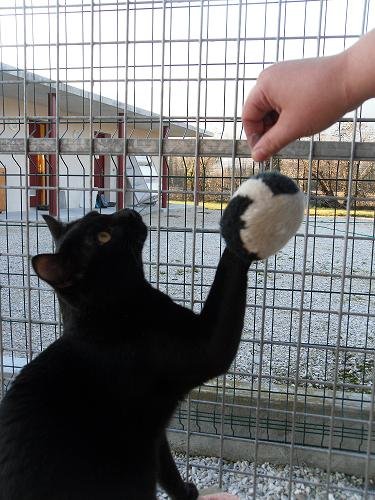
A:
{"x":74,"y":101}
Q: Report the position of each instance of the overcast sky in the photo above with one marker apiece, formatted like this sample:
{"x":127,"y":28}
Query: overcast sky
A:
{"x":268,"y":31}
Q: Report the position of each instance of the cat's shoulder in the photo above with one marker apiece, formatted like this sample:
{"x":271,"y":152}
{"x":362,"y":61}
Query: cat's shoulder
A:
{"x":54,"y":362}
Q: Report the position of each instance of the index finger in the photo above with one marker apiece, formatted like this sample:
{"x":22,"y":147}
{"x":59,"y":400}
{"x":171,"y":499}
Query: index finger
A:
{"x":255,"y":109}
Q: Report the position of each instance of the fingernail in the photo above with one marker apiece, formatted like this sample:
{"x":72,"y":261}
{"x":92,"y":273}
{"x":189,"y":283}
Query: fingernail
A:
{"x":253,"y":139}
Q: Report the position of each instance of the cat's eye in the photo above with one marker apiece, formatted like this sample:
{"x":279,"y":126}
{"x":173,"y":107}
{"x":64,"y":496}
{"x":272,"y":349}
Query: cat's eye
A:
{"x":103,"y":237}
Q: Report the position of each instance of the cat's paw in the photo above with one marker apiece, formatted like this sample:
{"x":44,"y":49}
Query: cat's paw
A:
{"x":191,"y":491}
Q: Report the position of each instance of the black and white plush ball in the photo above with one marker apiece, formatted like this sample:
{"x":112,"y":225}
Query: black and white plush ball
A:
{"x":263,"y":214}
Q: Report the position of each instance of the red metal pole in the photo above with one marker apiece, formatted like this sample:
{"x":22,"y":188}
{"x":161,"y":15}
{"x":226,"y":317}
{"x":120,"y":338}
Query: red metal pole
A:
{"x":52,"y":159}
{"x":164,"y":174}
{"x":120,"y":165}
{"x":34,"y":131}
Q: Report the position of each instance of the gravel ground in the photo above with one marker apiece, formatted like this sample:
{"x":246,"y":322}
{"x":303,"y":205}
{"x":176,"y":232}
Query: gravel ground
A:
{"x":272,"y":481}
{"x":280,"y":327}
{"x":324,"y":264}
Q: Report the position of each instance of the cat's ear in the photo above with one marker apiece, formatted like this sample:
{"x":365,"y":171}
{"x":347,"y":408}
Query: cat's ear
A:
{"x":50,"y":267}
{"x":56,"y":227}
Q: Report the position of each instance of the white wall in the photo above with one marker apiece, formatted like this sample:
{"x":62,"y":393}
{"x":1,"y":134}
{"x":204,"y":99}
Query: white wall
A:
{"x":74,"y":171}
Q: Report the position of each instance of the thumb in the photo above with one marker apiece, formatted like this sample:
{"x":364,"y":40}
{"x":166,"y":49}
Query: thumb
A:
{"x":278,"y":136}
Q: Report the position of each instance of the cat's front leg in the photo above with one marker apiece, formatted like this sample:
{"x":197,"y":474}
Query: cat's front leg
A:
{"x":168,"y":476}
{"x":193,"y":348}
{"x":222,"y":317}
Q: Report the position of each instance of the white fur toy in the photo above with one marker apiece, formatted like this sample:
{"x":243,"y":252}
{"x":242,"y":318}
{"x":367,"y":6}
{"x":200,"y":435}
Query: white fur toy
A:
{"x":263,"y":214}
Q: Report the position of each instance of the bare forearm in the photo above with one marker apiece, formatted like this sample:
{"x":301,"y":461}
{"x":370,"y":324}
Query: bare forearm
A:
{"x":359,"y":66}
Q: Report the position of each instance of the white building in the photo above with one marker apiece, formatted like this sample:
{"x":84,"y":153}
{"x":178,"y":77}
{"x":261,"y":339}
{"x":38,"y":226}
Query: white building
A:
{"x":79,"y":114}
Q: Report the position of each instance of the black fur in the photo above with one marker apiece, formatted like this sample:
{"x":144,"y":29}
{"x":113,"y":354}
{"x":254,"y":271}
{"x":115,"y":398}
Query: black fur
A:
{"x":231,"y":224}
{"x":278,"y":183}
{"x":85,"y":420}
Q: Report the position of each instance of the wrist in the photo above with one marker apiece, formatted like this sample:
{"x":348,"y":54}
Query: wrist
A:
{"x":347,"y":90}
{"x":358,"y":71}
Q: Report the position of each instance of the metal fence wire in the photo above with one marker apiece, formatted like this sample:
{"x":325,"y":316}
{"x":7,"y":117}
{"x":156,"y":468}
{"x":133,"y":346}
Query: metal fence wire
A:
{"x":106,"y":104}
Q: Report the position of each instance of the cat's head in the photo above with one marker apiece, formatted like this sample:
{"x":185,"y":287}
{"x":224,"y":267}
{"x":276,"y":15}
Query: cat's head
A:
{"x":95,"y":254}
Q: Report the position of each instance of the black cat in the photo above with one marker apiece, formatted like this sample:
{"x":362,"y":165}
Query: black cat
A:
{"x":86,"y":419}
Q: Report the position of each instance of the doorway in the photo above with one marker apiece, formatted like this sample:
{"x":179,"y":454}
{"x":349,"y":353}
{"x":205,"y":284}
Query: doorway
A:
{"x":38,"y":171}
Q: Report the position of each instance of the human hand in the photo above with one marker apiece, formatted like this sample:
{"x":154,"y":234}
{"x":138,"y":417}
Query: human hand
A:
{"x":294,"y":99}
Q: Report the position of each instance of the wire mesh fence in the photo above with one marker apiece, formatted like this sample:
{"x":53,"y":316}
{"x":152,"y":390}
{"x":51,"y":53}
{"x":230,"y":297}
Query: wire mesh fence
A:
{"x":106,"y":104}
